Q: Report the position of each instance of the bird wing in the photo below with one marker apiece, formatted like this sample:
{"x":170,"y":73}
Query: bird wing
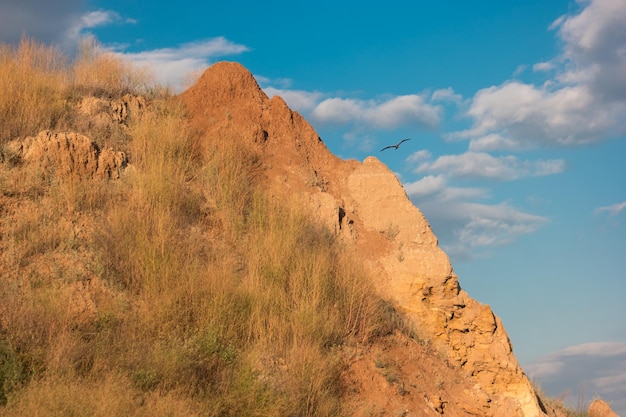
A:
{"x":395,"y":146}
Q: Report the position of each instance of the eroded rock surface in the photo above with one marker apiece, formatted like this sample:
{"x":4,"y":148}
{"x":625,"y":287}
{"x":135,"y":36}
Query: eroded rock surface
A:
{"x":599,"y":408}
{"x":69,"y":153}
{"x":365,"y":204}
{"x":117,"y":110}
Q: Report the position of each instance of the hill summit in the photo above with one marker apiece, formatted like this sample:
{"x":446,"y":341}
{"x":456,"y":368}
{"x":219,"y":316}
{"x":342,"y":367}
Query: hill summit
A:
{"x":366,"y":205}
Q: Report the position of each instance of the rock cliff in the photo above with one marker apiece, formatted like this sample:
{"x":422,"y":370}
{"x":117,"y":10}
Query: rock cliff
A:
{"x":366,"y":205}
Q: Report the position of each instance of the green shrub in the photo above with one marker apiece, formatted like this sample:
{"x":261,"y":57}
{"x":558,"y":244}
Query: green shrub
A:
{"x":11,"y":370}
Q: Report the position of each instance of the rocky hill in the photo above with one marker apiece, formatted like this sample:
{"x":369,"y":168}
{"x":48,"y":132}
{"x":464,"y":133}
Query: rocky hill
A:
{"x":367,"y":206}
{"x":207,"y":255}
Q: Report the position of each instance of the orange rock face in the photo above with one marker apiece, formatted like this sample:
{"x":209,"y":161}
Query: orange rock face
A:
{"x":599,"y":408}
{"x":366,"y":205}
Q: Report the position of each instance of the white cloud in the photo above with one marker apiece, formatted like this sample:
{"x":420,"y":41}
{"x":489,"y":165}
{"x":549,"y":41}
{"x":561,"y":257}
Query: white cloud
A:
{"x":399,"y":111}
{"x":613,"y":210}
{"x":590,"y":369}
{"x":403,"y":111}
{"x":595,"y":45}
{"x":173,"y":66}
{"x":480,"y":228}
{"x":338,"y":110}
{"x":525,"y":116}
{"x":419,"y":156}
{"x":483,"y":165}
{"x":429,"y":184}
{"x":491,"y":142}
{"x":519,"y":70}
{"x":471,"y":229}
{"x":446,"y":95}
{"x":461,"y":194}
{"x":495,"y":225}
{"x":359,"y":117}
{"x":97,"y":18}
{"x":584,"y":103}
{"x":543,"y":66}
{"x":300,"y":100}
{"x":468,"y":227}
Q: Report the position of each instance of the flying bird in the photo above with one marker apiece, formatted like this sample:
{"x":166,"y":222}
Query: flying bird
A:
{"x":397,"y":145}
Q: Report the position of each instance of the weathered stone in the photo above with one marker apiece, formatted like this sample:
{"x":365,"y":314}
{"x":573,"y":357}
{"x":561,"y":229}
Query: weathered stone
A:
{"x":599,"y":408}
{"x":366,"y":202}
{"x":69,"y":153}
{"x":118,"y":110}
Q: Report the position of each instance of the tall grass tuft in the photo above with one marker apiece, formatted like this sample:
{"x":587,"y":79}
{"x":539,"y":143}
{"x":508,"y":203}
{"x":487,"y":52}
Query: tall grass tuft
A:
{"x":32,"y":80}
{"x":99,"y":72}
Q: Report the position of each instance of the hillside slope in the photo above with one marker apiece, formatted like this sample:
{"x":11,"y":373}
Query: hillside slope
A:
{"x":206,"y":255}
{"x":366,"y":205}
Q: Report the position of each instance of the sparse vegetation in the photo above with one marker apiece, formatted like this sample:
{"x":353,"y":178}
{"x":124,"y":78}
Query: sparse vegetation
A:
{"x":390,"y":232}
{"x":180,"y":289}
{"x":388,"y":369}
{"x":555,"y":406}
{"x":319,"y":182}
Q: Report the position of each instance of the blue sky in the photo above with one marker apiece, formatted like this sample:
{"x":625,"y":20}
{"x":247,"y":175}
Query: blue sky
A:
{"x":517,"y":115}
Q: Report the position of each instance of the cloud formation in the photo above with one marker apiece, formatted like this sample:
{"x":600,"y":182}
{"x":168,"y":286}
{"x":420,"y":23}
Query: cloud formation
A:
{"x":583,"y":103}
{"x":587,"y":370}
{"x":61,"y":23}
{"x":303,"y":101}
{"x":392,"y":113}
{"x":79,"y":26}
{"x":484,"y":165}
{"x":360,"y":115}
{"x":595,"y":47}
{"x":42,"y":19}
{"x":612,"y":210}
{"x":467,"y":228}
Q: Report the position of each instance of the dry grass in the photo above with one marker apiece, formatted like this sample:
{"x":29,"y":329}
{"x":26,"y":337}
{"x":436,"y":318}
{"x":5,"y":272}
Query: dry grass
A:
{"x":99,"y":72}
{"x":555,"y":406}
{"x":40,"y":86}
{"x":32,"y":80}
{"x":110,"y":396}
{"x":180,"y":289}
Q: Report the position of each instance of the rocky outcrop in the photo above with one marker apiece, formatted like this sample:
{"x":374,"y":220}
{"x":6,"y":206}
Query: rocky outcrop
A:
{"x":68,"y":153}
{"x":365,"y":204}
{"x":117,"y":110}
{"x":420,"y":278}
{"x":599,"y":408}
